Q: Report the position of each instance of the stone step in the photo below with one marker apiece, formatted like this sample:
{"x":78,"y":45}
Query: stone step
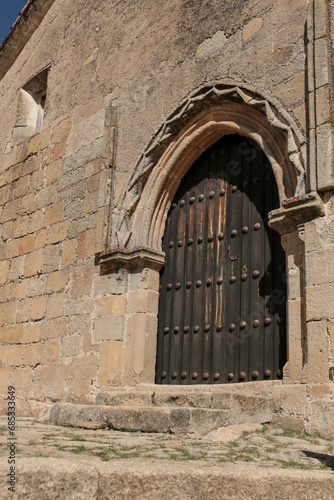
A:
{"x":208,"y":400}
{"x":174,"y":419}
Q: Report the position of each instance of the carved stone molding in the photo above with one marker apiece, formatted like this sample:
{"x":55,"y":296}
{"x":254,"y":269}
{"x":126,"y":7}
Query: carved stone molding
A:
{"x":208,"y":113}
{"x":295,"y":212}
{"x":141,"y":257}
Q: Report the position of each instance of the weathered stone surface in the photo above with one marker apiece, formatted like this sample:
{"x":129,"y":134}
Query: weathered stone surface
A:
{"x":232,"y":432}
{"x":147,"y":480}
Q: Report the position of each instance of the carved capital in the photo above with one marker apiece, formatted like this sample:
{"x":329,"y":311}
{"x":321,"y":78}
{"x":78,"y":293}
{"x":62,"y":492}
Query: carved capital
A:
{"x":117,"y":258}
{"x":295,"y":211}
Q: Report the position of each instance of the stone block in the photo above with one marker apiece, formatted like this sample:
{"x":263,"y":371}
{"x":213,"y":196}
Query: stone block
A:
{"x":321,"y":18}
{"x":140,"y":348}
{"x":54,"y":328}
{"x":319,"y":302}
{"x":321,"y":418}
{"x":5,"y":378}
{"x":13,"y":248}
{"x":109,"y":328}
{"x":47,"y":196}
{"x":91,"y":203}
{"x":53,"y":171}
{"x":81,"y":287}
{"x":317,"y":350}
{"x":50,"y":351}
{"x":36,"y":222}
{"x":27,"y":244}
{"x":45,"y":138}
{"x":4,"y":271}
{"x":319,"y":268}
{"x":79,"y":391}
{"x":69,"y":252}
{"x":110,"y":364}
{"x":112,"y":305}
{"x":80,"y":324}
{"x":31,"y":164}
{"x":29,"y":204}
{"x":4,"y":293}
{"x":84,"y":368}
{"x":86,"y":244}
{"x":34,"y":144}
{"x":57,"y":232}
{"x":37,"y":286}
{"x":40,"y":239}
{"x":321,"y":65}
{"x":323,"y":105}
{"x":319,"y":391}
{"x":33,"y":263}
{"x":50,"y":382}
{"x":57,"y":281}
{"x":31,"y":332}
{"x":251,"y":28}
{"x":16,"y":268}
{"x":61,"y":131}
{"x":58,"y":150}
{"x":7,"y":230}
{"x":22,"y":186}
{"x":148,"y":419}
{"x":70,"y":346}
{"x":37,"y":180}
{"x":55,"y":305}
{"x":8,"y":312}
{"x":3,"y":355}
{"x":114,"y":283}
{"x":143,"y":301}
{"x":15,"y":353}
{"x":38,"y":307}
{"x":11,"y":334}
{"x":289,"y":400}
{"x":32,"y":354}
{"x":11,"y":209}
{"x":22,"y":378}
{"x":51,"y":258}
{"x":20,"y":226}
{"x":19,"y":290}
{"x":325,"y":174}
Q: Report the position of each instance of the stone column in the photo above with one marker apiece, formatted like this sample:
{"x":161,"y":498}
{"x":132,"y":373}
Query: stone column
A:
{"x":306,"y":323}
{"x":294,"y":250}
{"x":319,"y":299}
{"x":141,"y":312}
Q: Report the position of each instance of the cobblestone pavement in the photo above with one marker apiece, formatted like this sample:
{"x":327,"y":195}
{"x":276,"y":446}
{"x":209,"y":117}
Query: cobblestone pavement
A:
{"x":269,"y":446}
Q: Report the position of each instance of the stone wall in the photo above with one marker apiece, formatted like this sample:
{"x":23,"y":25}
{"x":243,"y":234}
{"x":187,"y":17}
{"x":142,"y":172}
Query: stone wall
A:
{"x":115,"y":70}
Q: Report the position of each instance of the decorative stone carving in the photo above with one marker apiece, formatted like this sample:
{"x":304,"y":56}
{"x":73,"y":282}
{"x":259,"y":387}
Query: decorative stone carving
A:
{"x":260,"y":116}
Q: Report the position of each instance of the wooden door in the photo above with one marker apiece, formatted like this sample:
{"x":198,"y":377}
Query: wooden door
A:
{"x":222,"y":289}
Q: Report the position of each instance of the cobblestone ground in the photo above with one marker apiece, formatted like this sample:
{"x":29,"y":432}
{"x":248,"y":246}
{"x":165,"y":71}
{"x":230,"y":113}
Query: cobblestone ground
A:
{"x":270,"y":446}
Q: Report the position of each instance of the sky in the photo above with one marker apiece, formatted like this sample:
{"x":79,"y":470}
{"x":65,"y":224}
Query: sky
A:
{"x":10,"y":10}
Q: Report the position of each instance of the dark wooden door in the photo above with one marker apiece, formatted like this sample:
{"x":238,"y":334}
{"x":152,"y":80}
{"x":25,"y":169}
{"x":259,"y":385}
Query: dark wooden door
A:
{"x":222,"y":289}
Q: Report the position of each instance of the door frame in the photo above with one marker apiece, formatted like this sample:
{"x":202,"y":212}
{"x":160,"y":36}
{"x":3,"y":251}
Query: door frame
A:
{"x":139,"y":216}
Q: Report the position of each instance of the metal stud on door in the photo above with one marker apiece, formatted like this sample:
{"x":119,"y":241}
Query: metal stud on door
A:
{"x":222,"y":294}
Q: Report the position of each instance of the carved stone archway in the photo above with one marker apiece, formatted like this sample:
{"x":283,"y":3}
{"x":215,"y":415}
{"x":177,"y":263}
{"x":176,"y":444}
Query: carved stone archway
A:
{"x":192,"y":126}
{"x":138,"y":217}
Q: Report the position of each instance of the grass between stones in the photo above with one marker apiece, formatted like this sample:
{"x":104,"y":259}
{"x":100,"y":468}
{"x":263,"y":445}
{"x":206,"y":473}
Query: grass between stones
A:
{"x":272,"y":445}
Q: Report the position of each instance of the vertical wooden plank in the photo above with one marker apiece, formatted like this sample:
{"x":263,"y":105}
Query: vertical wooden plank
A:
{"x":199,"y":272}
{"x":246,"y":153}
{"x":219,"y":333}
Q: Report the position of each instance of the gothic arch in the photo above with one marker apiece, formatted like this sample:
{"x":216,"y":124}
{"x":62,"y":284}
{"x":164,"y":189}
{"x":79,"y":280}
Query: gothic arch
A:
{"x":202,"y":118}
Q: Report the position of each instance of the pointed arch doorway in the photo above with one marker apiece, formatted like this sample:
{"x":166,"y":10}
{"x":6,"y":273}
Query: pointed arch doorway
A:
{"x":222,"y":289}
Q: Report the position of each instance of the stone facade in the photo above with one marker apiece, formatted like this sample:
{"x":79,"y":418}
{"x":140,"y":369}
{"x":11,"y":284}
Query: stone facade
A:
{"x":136,"y":90}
